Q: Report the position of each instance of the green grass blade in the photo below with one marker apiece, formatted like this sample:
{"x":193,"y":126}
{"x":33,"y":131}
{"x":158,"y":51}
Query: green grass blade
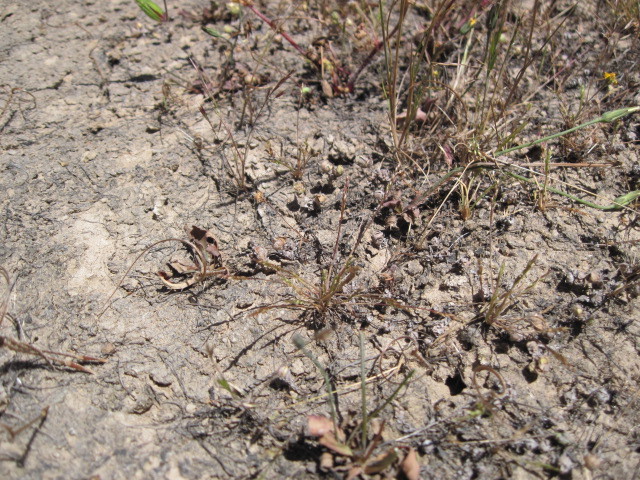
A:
{"x":152,"y":10}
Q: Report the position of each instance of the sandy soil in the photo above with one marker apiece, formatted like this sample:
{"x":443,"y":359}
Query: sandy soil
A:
{"x":104,"y":152}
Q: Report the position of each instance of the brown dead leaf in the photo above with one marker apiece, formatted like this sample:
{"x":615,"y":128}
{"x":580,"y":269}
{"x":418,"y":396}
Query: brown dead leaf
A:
{"x":326,"y":89}
{"x":329,"y":441}
{"x":381,"y":462}
{"x":206,"y":240}
{"x":326,"y":462}
{"x":449,"y":156}
{"x":410,"y":465}
{"x":183,"y":268}
{"x":354,"y":472}
{"x":319,"y":425}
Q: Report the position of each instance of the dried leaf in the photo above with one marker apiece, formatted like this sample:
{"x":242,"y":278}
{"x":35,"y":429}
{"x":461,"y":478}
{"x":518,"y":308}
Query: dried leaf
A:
{"x":449,"y":156}
{"x":354,"y":472}
{"x":196,"y":233}
{"x":392,"y":202}
{"x":381,"y":462}
{"x":326,"y":462}
{"x":206,"y":240}
{"x":329,"y":441}
{"x":164,"y":275}
{"x":183,"y":268}
{"x":326,"y":89}
{"x":410,"y":465}
{"x":420,"y":116}
{"x":319,"y":425}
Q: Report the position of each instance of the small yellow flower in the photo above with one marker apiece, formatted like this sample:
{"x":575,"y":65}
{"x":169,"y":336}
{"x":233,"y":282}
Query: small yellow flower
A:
{"x":610,"y":78}
{"x":467,"y":27}
{"x":327,"y":65}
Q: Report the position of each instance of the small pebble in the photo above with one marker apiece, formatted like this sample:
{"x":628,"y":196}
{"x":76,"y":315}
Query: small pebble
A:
{"x":108,"y":349}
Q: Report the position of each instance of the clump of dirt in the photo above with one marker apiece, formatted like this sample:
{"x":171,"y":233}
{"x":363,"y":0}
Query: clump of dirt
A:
{"x":374,"y":278}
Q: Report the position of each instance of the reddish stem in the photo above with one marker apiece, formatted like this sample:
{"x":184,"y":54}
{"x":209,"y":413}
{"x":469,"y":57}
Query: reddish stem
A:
{"x":279,"y":30}
{"x":354,"y":78}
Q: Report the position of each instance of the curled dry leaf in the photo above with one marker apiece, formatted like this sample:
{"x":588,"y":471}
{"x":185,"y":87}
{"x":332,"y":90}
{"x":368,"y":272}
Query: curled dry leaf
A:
{"x":183,"y":268}
{"x":207,"y":241}
{"x":449,"y":156}
{"x":410,"y":465}
{"x":208,"y":260}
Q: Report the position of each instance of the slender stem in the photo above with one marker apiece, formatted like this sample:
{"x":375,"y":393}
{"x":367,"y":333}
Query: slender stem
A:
{"x":363,"y":391}
{"x":607,"y":117}
{"x":301,"y":345}
{"x":404,"y":382}
{"x":343,"y":205}
{"x":617,"y":204}
{"x":279,"y":30}
{"x":367,"y":61}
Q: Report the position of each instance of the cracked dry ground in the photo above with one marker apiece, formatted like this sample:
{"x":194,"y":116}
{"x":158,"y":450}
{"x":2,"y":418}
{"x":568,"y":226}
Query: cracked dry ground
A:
{"x":104,"y":152}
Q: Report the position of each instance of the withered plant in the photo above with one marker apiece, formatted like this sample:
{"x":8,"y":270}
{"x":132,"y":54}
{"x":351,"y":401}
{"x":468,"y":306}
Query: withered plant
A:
{"x":331,"y":296}
{"x":357,"y":449}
